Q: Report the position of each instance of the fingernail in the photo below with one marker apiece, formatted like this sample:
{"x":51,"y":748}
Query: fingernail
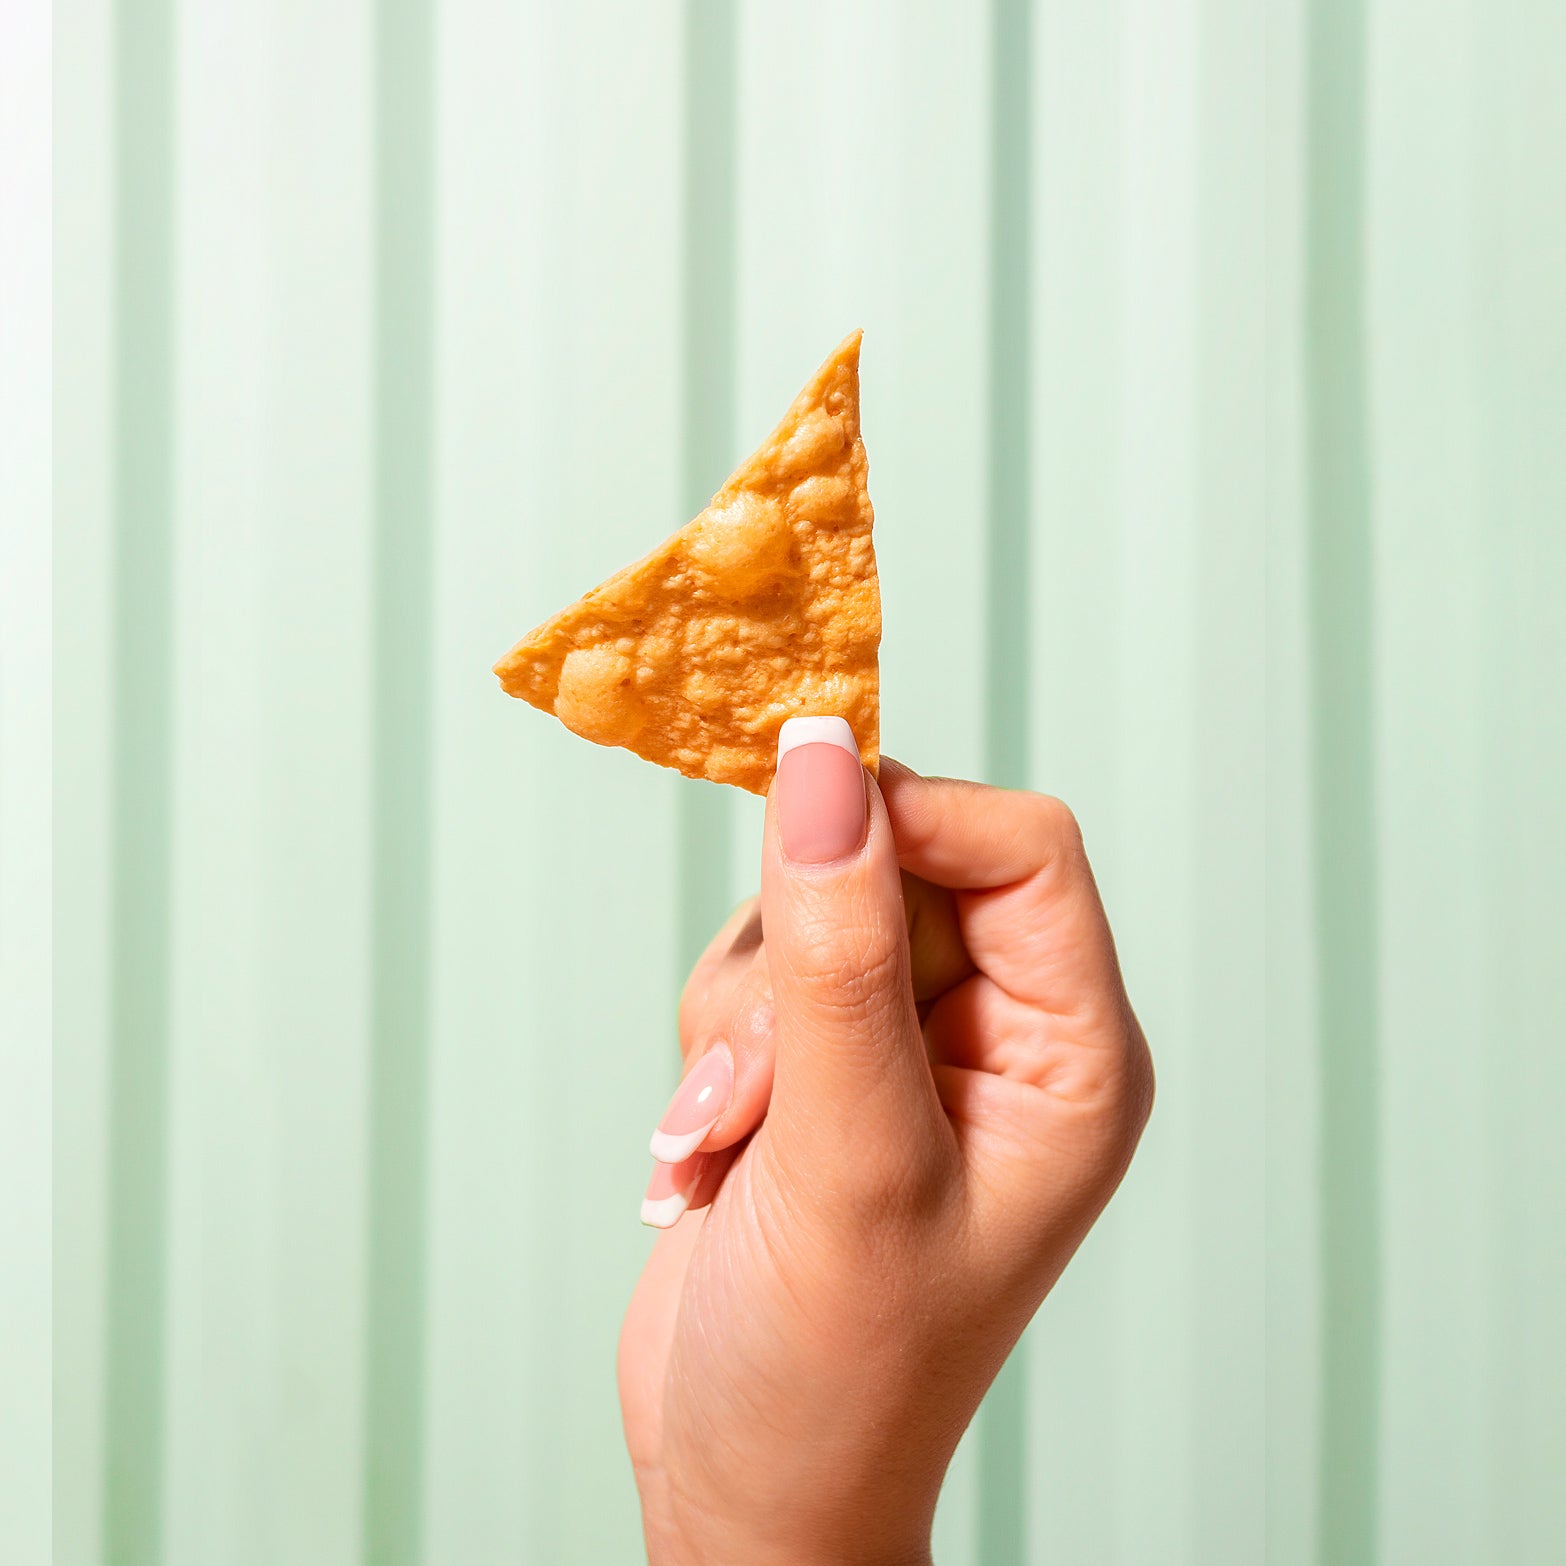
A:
{"x":821,"y":790}
{"x":697,"y":1104}
{"x":670,"y":1190}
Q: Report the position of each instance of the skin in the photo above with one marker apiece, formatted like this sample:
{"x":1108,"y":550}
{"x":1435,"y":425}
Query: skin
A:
{"x":939,"y":1083}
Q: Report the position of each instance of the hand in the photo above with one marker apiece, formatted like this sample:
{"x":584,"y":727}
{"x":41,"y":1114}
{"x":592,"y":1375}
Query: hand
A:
{"x":910,"y":1137}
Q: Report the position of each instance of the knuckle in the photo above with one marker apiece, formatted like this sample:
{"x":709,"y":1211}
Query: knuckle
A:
{"x":1129,"y":1102}
{"x":1083,"y":1151}
{"x":688,"y":1014}
{"x":1059,"y":831}
{"x":848,"y":966}
{"x":1142,"y":1079}
{"x":1108,"y":1089}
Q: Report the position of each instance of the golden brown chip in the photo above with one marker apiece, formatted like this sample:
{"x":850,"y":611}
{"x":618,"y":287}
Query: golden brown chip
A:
{"x":766,"y":607}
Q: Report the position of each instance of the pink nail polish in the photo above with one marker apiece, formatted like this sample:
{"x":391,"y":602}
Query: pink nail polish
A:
{"x":670,"y":1190}
{"x":696,"y":1107}
{"x":821,"y":790}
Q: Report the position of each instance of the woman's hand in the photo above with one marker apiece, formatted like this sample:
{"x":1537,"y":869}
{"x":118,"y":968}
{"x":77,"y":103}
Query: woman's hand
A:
{"x":905,"y":1104}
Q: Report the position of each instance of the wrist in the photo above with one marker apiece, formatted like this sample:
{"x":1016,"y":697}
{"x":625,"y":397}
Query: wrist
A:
{"x":667,"y":1549}
{"x":681,"y":1537}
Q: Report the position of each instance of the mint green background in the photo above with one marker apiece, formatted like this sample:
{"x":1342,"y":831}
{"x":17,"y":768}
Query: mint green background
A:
{"x":1215,"y":393}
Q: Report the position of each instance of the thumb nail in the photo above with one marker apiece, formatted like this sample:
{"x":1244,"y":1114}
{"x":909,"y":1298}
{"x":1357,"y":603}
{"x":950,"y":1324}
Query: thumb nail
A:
{"x":820,"y":790}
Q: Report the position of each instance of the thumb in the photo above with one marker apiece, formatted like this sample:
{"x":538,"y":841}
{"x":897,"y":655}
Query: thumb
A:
{"x":851,"y":1068}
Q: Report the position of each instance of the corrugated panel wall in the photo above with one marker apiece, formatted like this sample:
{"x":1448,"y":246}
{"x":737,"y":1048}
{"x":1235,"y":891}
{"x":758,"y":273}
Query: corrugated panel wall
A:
{"x":1215,"y":392}
{"x":25,"y":789}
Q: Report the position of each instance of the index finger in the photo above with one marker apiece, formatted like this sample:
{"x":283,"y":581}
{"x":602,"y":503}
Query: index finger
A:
{"x":1026,"y":898}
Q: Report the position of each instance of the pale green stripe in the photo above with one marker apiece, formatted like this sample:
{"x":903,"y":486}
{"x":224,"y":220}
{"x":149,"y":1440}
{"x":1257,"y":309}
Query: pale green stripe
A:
{"x":710,"y":135}
{"x":1006,"y":620}
{"x":143,"y":636}
{"x":1342,"y":654}
{"x":1002,"y":1430}
{"x":398,"y":1127}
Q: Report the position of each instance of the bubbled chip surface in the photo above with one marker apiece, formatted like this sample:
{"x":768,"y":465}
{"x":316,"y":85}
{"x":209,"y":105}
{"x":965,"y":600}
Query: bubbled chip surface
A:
{"x":765,"y":607}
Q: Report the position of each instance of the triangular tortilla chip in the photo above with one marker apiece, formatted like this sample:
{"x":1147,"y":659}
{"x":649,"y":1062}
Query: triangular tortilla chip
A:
{"x":766,"y":607}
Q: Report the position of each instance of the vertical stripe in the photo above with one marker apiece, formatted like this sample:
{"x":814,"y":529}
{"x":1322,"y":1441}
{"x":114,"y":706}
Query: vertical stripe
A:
{"x":1006,"y":621}
{"x":398,"y":1132}
{"x":143,"y":632}
{"x":85,"y":519}
{"x":1003,"y":1423}
{"x":489,"y":1131}
{"x":1340,"y":590}
{"x":1224,"y":794}
{"x":1520,"y":240}
{"x":709,"y":319}
{"x":26,"y":884}
{"x":1291,"y":1378}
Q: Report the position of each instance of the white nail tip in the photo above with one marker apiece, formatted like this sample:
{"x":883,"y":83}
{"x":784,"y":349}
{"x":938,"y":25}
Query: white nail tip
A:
{"x":816,"y":731}
{"x":670,"y":1149}
{"x":666,"y":1212}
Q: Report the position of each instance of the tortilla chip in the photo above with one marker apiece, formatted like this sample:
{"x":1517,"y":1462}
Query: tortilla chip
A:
{"x":766,"y":607}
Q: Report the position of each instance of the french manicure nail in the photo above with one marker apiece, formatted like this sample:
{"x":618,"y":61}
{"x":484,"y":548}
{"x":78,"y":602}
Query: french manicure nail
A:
{"x":821,"y":790}
{"x":696,"y":1107}
{"x":670,"y":1190}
